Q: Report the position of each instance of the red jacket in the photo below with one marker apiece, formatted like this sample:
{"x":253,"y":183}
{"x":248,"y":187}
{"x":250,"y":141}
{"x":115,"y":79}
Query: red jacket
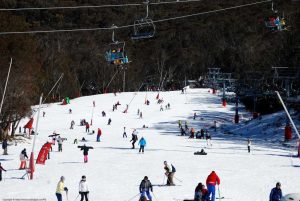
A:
{"x":99,"y":132}
{"x":212,"y":179}
{"x":87,"y":125}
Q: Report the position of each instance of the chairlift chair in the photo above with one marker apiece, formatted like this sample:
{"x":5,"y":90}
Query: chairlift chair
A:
{"x":274,"y":22}
{"x":143,"y":28}
{"x":116,"y":54}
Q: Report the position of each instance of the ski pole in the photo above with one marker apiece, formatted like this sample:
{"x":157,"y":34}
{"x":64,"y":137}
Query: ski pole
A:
{"x":154,"y":196}
{"x":177,"y":179}
{"x":219,"y":192}
{"x":67,"y":195}
{"x":76,"y":197}
{"x":134,"y":197}
{"x":164,"y":179}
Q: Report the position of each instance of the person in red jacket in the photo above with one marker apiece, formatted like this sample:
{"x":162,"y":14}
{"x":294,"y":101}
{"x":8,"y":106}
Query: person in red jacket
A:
{"x":99,"y":134}
{"x":87,"y":127}
{"x":211,"y":182}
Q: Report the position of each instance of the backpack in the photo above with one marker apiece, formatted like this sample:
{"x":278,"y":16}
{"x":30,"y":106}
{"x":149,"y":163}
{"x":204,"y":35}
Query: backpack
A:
{"x":173,"y":168}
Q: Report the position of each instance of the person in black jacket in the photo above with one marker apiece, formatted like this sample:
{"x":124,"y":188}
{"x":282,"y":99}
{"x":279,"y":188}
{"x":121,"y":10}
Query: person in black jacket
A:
{"x":1,"y":168}
{"x":134,"y":138}
{"x":85,"y":152}
{"x":4,"y":146}
{"x":145,"y":188}
{"x":276,"y":193}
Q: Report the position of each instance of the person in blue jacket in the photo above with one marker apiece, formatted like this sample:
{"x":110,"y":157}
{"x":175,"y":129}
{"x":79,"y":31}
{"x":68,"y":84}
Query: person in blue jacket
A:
{"x":142,"y":144}
{"x":276,"y":193}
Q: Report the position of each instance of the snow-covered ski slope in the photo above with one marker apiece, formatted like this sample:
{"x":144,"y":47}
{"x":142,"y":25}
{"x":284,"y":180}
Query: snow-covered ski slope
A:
{"x":114,"y":170}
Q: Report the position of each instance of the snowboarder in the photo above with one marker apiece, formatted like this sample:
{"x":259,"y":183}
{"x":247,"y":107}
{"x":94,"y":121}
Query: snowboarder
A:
{"x":87,"y":127}
{"x":124,"y":133}
{"x":4,"y":146}
{"x":109,"y":121}
{"x":85,"y":152}
{"x":211,"y":182}
{"x":60,"y":188}
{"x":276,"y":193}
{"x":142,"y":144}
{"x":145,"y":188}
{"x":170,"y":171}
{"x":99,"y":134}
{"x":72,"y":124}
{"x":249,"y":145}
{"x":83,"y":188}
{"x":1,"y":168}
{"x":134,"y":138}
{"x":23,"y":158}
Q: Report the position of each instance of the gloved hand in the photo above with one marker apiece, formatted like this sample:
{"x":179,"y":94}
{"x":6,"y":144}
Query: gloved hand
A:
{"x":65,"y":189}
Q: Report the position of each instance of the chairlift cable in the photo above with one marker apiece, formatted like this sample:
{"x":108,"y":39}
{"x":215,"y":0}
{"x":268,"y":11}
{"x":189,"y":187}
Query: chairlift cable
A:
{"x":132,"y":25}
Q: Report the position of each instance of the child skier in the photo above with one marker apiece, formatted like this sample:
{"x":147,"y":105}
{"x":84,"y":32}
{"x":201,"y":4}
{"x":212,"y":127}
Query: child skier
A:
{"x":99,"y":134}
{"x":134,"y":138}
{"x":83,"y":189}
{"x":145,"y":188}
{"x":23,"y":158}
{"x":85,"y":152}
{"x":142,"y":144}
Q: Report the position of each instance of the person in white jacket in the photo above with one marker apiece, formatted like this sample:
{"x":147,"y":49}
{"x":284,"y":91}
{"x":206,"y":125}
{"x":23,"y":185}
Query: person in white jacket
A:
{"x":83,"y":189}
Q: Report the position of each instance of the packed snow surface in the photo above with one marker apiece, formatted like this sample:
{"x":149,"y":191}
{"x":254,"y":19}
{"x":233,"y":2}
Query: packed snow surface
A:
{"x":114,"y":170}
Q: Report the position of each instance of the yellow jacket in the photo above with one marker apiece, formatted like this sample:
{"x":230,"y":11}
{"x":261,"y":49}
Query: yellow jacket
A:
{"x":60,"y":187}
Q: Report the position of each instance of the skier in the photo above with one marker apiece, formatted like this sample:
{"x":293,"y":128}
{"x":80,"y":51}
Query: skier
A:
{"x":59,"y":143}
{"x":87,"y":127}
{"x":85,"y":152}
{"x":4,"y":146}
{"x":170,"y":171}
{"x":182,"y":131}
{"x":186,"y":125}
{"x":195,"y":115}
{"x":1,"y":168}
{"x":124,"y":133}
{"x":94,"y":104}
{"x":72,"y":124}
{"x":192,"y":133}
{"x":23,"y":158}
{"x":44,"y":113}
{"x":211,"y":182}
{"x":249,"y":145}
{"x":179,"y":124}
{"x":276,"y":193}
{"x":161,"y":108}
{"x":208,"y":138}
{"x":142,"y":144}
{"x":141,"y":115}
{"x":109,"y":121}
{"x":99,"y":134}
{"x":145,"y":188}
{"x":70,"y":111}
{"x":103,"y":114}
{"x":138,"y":112}
{"x":60,"y":188}
{"x":134,"y":138}
{"x":83,"y":189}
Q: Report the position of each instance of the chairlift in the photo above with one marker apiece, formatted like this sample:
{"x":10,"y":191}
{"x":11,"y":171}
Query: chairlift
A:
{"x":116,"y":54}
{"x":143,"y":28}
{"x":274,"y":22}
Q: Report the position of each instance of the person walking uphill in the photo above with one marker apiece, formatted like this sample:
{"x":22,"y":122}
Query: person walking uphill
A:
{"x":145,"y":188}
{"x":1,"y":168}
{"x":276,"y":193}
{"x":211,"y":182}
{"x":61,"y":188}
{"x":83,"y":189}
{"x":142,"y":144}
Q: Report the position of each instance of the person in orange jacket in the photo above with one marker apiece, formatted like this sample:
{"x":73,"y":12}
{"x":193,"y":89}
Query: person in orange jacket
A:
{"x":211,"y":182}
